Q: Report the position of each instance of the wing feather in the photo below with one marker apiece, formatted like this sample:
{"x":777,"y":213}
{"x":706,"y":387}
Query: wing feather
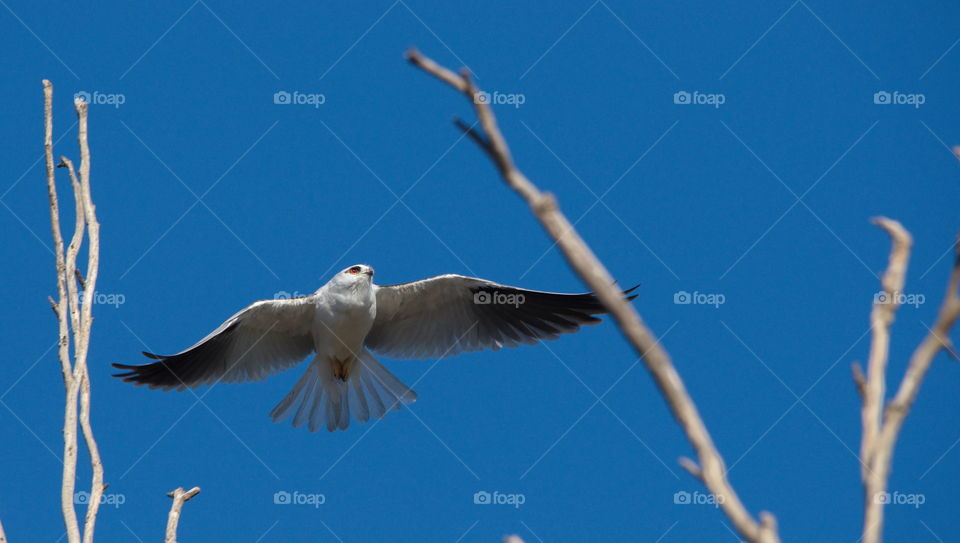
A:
{"x":266,"y":337}
{"x":451,"y":314}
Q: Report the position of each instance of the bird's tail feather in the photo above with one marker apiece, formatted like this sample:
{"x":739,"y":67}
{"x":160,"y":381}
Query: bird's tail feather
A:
{"x":319,"y":398}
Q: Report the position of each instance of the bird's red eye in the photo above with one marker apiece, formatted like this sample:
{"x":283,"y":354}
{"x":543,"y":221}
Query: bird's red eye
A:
{"x":354,"y":270}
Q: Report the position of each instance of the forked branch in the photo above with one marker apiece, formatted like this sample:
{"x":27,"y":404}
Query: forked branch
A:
{"x":881,"y":425}
{"x":180,"y":496}
{"x":74,"y":312}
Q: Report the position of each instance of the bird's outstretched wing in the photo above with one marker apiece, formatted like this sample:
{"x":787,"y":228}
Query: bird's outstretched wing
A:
{"x":266,"y":337}
{"x":451,"y":314}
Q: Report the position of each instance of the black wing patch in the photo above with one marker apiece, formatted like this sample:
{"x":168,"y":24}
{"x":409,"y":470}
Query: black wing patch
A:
{"x":527,"y":314}
{"x":188,"y":369}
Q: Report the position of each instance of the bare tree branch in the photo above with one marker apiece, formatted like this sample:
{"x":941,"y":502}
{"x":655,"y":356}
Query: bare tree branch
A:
{"x":881,"y":319}
{"x":75,"y":313}
{"x":712,"y":471}
{"x":173,"y":519}
{"x":96,"y":485}
{"x":87,"y":210}
{"x":880,"y":434}
{"x":70,"y":411}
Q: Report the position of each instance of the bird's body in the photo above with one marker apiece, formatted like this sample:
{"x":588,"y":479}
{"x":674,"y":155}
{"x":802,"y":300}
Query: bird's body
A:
{"x":343,"y":317}
{"x":433,"y":318}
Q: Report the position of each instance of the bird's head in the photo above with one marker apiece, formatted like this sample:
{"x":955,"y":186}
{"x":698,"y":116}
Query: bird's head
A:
{"x":354,"y":276}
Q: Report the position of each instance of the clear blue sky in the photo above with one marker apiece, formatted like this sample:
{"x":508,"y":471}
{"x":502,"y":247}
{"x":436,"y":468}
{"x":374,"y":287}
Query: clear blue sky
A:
{"x":696,"y":197}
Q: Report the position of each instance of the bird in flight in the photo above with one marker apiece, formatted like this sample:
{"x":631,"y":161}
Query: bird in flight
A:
{"x":350,"y":316}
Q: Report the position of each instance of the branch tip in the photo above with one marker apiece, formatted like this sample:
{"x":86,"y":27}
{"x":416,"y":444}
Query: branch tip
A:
{"x":894,"y":229}
{"x":768,"y":521}
{"x":691,"y":467}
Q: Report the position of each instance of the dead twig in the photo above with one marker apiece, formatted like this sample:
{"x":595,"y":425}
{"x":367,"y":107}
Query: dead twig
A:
{"x":711,"y":470}
{"x":173,"y":519}
{"x":885,"y":306}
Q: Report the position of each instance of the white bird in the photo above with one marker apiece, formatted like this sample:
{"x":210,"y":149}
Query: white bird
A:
{"x":433,"y":318}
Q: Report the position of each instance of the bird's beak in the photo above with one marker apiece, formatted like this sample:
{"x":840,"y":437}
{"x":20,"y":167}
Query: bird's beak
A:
{"x":369,"y":272}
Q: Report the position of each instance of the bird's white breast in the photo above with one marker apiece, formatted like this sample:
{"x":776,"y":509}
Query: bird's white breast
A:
{"x":343,"y":319}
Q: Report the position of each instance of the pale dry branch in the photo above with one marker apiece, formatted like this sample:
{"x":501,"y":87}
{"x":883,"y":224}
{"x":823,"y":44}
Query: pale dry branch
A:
{"x":88,"y":282}
{"x":73,"y":250}
{"x":75,"y":313}
{"x":881,"y":319}
{"x":885,"y":429}
{"x":180,"y":497}
{"x":96,"y":485}
{"x":691,"y":467}
{"x":68,"y":482}
{"x":711,"y":470}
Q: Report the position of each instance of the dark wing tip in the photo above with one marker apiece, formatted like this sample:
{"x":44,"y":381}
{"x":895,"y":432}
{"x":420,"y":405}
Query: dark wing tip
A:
{"x":153,"y":375}
{"x":633,"y":288}
{"x":627,"y":292}
{"x":160,"y":356}
{"x":130,"y":375}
